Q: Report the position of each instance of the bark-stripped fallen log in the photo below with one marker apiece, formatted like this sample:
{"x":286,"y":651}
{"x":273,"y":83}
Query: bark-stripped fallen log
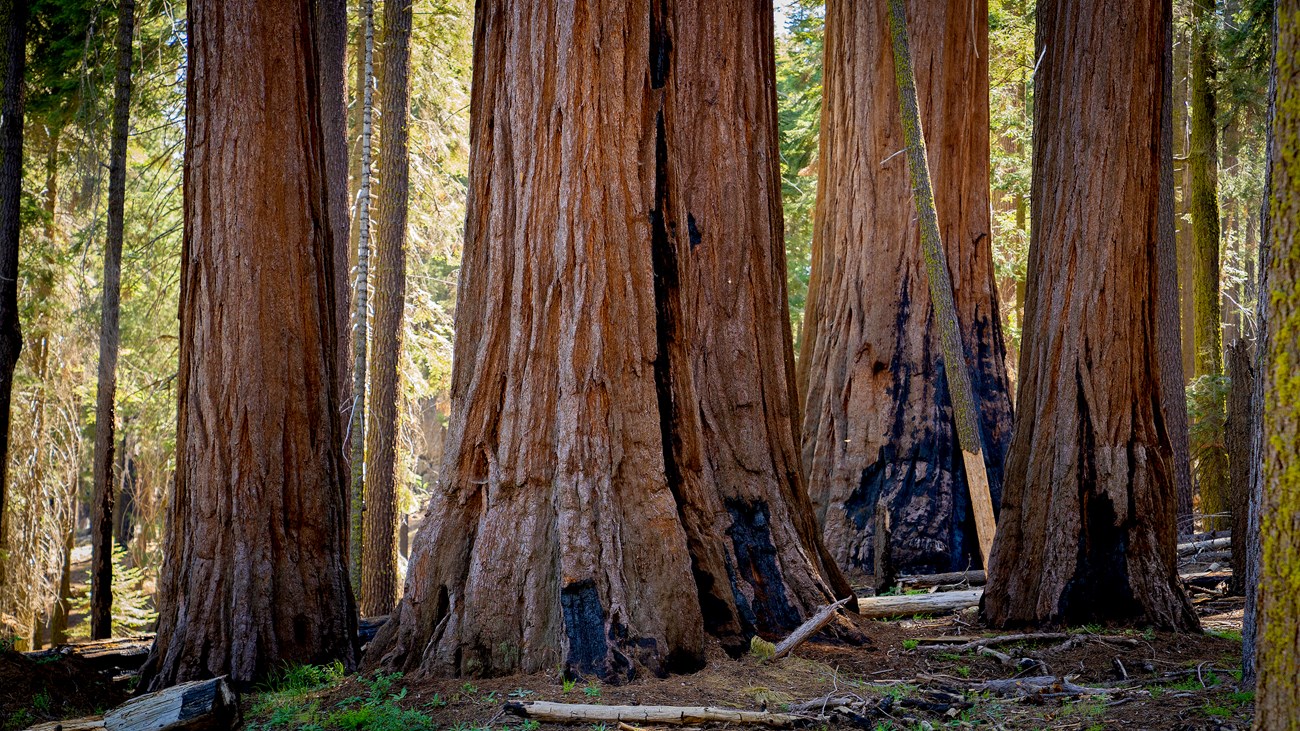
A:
{"x":998,"y":640}
{"x":1213,"y":544}
{"x":943,"y":602}
{"x":676,"y":715}
{"x":203,"y":705}
{"x":1043,"y":684}
{"x":925,"y":581}
{"x":122,"y":653}
{"x":808,"y":628}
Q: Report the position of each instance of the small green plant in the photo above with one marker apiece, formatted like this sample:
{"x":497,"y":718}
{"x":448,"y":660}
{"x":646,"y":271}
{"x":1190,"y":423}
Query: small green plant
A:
{"x":1241,"y":697}
{"x":1217,"y":711}
{"x":41,"y":702}
{"x":963,"y":670}
{"x":568,"y":684}
{"x":491,"y":698}
{"x":469,"y":689}
{"x":761,"y":648}
{"x":530,"y":725}
{"x":591,"y":690}
{"x":911,"y":644}
{"x":437,"y":701}
{"x":520,"y":693}
{"x":1225,"y":634}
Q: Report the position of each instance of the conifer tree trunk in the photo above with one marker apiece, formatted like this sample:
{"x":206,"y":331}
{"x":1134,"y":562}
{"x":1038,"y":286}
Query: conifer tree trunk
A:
{"x":1203,"y":159}
{"x":11,"y":186}
{"x":331,"y":19}
{"x":101,"y":521}
{"x":379,"y":544}
{"x":257,"y":527}
{"x":1278,"y":644}
{"x":1087,"y":525}
{"x":360,"y":317}
{"x":1263,"y":348}
{"x":878,"y":422}
{"x":620,"y":474}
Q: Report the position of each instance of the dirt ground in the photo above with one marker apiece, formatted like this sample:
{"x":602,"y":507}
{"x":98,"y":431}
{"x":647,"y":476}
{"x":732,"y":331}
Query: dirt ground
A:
{"x":904,"y":678}
{"x":51,"y":689}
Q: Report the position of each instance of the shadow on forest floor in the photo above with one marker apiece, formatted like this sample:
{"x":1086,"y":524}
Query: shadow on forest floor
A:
{"x":904,"y":677}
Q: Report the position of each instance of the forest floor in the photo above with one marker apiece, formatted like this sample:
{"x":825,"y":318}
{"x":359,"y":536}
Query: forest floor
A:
{"x":904,"y":678}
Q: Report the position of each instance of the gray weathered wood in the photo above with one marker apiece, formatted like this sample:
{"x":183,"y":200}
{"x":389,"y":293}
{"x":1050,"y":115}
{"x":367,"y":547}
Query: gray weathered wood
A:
{"x":677,"y":715}
{"x":201,"y":705}
{"x":943,"y":602}
{"x":925,"y":581}
{"x":808,"y":628}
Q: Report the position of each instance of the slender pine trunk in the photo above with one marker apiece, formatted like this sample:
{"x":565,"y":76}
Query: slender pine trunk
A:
{"x":379,"y":545}
{"x":357,"y":425}
{"x":101,"y":524}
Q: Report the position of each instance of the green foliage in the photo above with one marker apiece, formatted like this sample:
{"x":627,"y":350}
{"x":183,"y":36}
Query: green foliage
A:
{"x":799,"y":106}
{"x":291,"y":701}
{"x":761,"y":648}
{"x":567,"y":685}
{"x":133,"y":610}
{"x":591,"y":690}
{"x":911,"y":644}
{"x":1207,"y":398}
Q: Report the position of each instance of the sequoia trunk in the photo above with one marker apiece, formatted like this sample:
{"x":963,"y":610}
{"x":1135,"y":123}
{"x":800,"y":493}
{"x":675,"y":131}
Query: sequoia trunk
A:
{"x":379,"y":545}
{"x":622,"y":447}
{"x":101,"y":522}
{"x":257,"y":571}
{"x":1278,"y":655}
{"x":878,"y":421}
{"x":1087,"y":530}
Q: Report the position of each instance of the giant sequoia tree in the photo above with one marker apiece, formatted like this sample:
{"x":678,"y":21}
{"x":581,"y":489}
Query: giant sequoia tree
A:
{"x":878,"y":421}
{"x":621,"y":474}
{"x":1278,"y":657}
{"x":1087,"y":527}
{"x":257,"y":570}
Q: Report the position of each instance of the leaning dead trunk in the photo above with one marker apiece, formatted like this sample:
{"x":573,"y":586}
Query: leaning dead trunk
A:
{"x":1087,"y":530}
{"x":101,"y":522}
{"x":257,"y":574}
{"x":621,"y":452}
{"x":878,"y":423}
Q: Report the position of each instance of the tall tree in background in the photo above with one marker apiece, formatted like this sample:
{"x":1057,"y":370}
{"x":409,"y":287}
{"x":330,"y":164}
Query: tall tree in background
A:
{"x":257,"y":527}
{"x":379,"y":544}
{"x":878,"y":422}
{"x":356,"y":432}
{"x":1278,"y":644}
{"x":1087,"y":525}
{"x":101,"y":523}
{"x":11,"y":189}
{"x":622,"y":444}
{"x":1203,"y":161}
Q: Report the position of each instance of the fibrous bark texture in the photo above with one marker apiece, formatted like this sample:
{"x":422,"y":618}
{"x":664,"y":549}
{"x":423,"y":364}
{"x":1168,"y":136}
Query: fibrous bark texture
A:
{"x":1278,"y":657}
{"x":101,"y":522}
{"x":11,"y":188}
{"x":1237,"y":441}
{"x":256,"y":574}
{"x":1087,"y":529}
{"x":878,"y":421}
{"x":379,"y":543}
{"x":621,"y":474}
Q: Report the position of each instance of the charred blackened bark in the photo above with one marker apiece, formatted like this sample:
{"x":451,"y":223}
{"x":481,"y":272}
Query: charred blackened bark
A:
{"x":622,"y":445}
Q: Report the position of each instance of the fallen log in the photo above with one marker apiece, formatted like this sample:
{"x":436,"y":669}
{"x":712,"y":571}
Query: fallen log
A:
{"x":202,"y":705}
{"x":925,"y":581}
{"x":122,"y":653}
{"x":808,"y":628}
{"x":945,"y":602}
{"x":1187,"y":549}
{"x":998,"y":640}
{"x":1042,"y":684}
{"x":677,"y":715}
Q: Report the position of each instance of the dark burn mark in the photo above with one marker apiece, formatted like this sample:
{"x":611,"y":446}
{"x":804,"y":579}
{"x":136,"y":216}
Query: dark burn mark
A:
{"x":661,"y":45}
{"x":751,"y":538}
{"x":693,"y":230}
{"x":584,"y":624}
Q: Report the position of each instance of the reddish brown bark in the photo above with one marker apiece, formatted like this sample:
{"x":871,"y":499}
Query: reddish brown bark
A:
{"x":878,"y":420}
{"x":256,"y":574}
{"x":621,"y":473}
{"x":1087,"y":529}
{"x":379,"y":542}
